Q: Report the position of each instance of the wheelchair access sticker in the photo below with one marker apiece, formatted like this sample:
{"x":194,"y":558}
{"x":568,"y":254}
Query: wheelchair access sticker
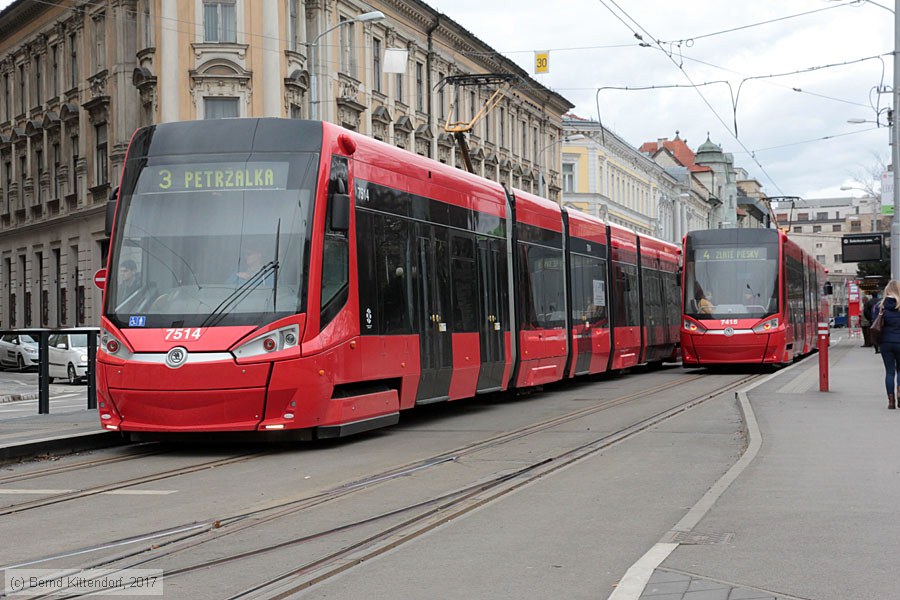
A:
{"x":137,"y":321}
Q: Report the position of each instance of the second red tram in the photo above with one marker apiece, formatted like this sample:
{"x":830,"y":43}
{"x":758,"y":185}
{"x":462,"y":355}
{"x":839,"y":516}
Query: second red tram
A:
{"x":298,"y":276}
{"x":750,"y":296}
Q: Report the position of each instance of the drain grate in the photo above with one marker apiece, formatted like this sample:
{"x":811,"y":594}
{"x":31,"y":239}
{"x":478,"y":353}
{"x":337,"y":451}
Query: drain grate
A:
{"x":696,"y":538}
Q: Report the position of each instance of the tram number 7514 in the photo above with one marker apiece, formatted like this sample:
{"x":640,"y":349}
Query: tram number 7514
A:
{"x":187,"y":333}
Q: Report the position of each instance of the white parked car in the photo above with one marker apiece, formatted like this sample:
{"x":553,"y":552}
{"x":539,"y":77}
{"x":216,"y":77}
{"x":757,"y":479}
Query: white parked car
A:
{"x":68,"y":356}
{"x":19,"y":351}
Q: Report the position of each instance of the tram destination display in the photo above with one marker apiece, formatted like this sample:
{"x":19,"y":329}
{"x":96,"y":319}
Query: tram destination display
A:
{"x":862,"y":248}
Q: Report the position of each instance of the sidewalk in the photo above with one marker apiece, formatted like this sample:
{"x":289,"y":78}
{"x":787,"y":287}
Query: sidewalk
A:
{"x":814,"y":513}
{"x":58,"y":433}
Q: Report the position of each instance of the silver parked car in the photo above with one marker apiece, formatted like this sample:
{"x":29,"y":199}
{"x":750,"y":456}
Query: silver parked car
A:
{"x":19,"y":351}
{"x":68,"y":356}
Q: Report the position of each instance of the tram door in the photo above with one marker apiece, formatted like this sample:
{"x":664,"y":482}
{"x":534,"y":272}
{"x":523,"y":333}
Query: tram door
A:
{"x":435,"y":342}
{"x":494,"y":315}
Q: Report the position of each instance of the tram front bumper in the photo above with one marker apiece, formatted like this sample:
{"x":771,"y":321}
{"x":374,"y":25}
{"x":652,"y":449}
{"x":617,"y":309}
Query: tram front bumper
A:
{"x":740,"y":348}
{"x":221,"y":396}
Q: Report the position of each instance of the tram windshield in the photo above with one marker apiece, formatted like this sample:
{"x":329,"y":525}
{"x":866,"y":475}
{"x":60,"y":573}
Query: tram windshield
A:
{"x":731,"y":282}
{"x":211,"y":240}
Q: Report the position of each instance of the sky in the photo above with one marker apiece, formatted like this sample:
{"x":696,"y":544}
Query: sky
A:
{"x":796,"y":143}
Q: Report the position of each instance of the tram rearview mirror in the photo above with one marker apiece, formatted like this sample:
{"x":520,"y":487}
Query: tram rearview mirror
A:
{"x":111,"y":212}
{"x":340,"y":212}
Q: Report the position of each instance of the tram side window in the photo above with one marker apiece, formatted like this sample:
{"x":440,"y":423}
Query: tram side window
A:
{"x":673,"y":297}
{"x":588,"y":290}
{"x":626,"y":295}
{"x":335,"y":255}
{"x":464,"y":283}
{"x":393,"y":251}
{"x":543,"y":287}
{"x":653,"y":298}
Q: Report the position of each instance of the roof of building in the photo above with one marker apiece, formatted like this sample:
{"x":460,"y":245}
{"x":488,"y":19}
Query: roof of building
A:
{"x":677,"y":148}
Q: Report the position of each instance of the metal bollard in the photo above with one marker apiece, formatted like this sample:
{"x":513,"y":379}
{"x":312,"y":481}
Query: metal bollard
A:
{"x":824,"y":341}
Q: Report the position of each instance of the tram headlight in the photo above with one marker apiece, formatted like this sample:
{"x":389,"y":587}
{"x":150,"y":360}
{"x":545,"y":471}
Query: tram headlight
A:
{"x":108,"y":343}
{"x":693,"y":326}
{"x":271,"y":341}
{"x":766,"y":326}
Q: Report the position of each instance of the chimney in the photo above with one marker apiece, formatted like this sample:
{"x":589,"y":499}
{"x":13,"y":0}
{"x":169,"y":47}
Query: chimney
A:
{"x":660,"y":142}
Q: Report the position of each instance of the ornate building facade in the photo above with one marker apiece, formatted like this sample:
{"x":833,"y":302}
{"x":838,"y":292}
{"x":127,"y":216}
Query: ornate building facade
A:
{"x":77,"y":79}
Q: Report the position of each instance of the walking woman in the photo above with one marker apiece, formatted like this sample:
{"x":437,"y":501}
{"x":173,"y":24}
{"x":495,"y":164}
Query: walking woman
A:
{"x":890,"y":337}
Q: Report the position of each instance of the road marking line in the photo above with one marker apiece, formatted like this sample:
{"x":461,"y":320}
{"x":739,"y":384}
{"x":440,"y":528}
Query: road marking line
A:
{"x":110,"y":493}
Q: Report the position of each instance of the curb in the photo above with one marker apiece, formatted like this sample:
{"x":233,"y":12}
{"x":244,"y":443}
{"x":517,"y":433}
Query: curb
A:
{"x":18,"y":397}
{"x":66,"y":443}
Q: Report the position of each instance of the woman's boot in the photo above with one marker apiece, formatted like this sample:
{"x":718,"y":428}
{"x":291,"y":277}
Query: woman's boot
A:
{"x":891,"y":401}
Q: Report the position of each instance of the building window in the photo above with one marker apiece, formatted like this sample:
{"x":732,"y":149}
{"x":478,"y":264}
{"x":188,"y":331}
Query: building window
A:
{"x":348,"y":56}
{"x":7,"y":94}
{"x":820,"y":258}
{"x":442,"y":113}
{"x":102,"y":173}
{"x":817,"y":228}
{"x":100,"y":42}
{"x":74,"y":147}
{"x":420,"y":87}
{"x":503,"y":128}
{"x":220,"y":108}
{"x":524,"y":147}
{"x":798,"y":229}
{"x":838,"y":258}
{"x":73,"y":60}
{"x":835,"y":227}
{"x":473,"y":110}
{"x":54,"y":182}
{"x":803,"y":216}
{"x":54,"y":72}
{"x":400,"y":88}
{"x":855,"y":226}
{"x":821,"y":216}
{"x":568,"y":177}
{"x":37,"y":80}
{"x":296,"y":111}
{"x":376,"y":64}
{"x":219,"y":21}
{"x":147,"y":29}
{"x":22,"y":89}
{"x":293,"y":25}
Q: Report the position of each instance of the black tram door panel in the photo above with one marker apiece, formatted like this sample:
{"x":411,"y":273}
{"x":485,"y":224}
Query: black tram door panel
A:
{"x":494,"y":312}
{"x":434,"y":313}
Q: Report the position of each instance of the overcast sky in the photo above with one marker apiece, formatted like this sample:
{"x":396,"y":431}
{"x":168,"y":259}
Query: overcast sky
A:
{"x":590,"y":48}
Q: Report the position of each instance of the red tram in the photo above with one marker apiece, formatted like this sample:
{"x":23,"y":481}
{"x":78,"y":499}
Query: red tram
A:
{"x":298,"y":276}
{"x":750,"y":296}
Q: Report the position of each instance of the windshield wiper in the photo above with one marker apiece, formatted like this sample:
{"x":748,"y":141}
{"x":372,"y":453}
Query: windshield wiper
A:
{"x":239,"y":293}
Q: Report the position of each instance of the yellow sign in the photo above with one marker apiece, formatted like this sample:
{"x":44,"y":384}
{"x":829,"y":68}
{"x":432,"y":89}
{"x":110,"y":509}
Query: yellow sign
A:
{"x":542,"y":62}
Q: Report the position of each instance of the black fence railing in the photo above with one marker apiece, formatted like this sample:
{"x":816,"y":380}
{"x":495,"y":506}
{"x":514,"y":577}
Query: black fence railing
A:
{"x":42,"y":335}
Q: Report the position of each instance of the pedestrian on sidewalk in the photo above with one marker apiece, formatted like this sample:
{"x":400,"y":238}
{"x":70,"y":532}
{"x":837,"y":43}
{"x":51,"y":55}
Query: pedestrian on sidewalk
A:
{"x":867,"y":313}
{"x":890,"y":337}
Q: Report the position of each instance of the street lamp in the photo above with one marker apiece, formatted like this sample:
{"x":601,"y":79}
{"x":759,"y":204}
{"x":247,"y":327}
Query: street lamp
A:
{"x":375,"y":15}
{"x":567,"y":138}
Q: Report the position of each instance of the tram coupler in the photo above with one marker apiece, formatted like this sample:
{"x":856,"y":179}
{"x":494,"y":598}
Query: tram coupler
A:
{"x":824,"y":339}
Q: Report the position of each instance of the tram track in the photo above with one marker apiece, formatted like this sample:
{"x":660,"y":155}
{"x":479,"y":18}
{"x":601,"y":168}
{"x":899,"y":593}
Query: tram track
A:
{"x":139,"y":452}
{"x":429,"y":514}
{"x":126,"y":483}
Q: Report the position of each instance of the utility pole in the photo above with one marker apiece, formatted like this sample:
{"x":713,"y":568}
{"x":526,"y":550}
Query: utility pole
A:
{"x":895,"y":149}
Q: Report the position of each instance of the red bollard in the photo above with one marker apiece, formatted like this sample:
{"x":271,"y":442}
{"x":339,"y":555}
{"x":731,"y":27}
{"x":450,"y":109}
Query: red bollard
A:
{"x":824,"y":341}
